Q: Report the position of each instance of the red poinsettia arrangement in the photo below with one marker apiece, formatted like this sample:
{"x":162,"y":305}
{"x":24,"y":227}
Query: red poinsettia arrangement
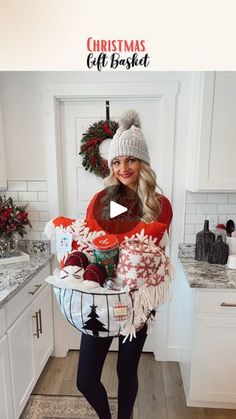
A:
{"x":13,"y":218}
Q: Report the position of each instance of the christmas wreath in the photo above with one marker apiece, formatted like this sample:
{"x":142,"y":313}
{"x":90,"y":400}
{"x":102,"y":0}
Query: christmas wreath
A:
{"x":89,"y":149}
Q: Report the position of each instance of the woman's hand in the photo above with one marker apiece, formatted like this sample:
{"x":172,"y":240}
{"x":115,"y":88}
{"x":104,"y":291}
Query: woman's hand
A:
{"x":140,"y":327}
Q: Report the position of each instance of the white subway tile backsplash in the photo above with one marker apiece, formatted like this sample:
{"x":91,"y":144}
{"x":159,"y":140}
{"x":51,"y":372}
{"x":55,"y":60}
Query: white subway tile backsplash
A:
{"x":227,"y":208}
{"x":206,"y":209}
{"x":194,"y":218}
{"x":38,"y":225}
{"x":189,"y":238}
{"x":217,"y":198}
{"x":33,"y":216}
{"x":189,"y":229}
{"x":42,"y":196}
{"x":190,"y":208}
{"x":43,"y":216}
{"x":200,"y":198}
{"x":217,"y":207}
{"x":37,"y":186}
{"x":38,"y":206}
{"x":28,"y":196}
{"x":16,"y":185}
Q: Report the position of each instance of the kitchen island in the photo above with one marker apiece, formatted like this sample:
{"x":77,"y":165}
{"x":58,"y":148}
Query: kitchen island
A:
{"x":208,"y":335}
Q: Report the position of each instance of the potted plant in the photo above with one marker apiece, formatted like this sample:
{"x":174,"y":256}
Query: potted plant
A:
{"x":13,"y":221}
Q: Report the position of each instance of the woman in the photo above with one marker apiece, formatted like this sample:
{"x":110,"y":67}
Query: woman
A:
{"x":134,"y":186}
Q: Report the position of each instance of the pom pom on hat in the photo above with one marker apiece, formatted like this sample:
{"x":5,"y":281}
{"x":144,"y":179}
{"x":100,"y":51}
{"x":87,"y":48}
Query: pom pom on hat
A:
{"x":129,"y":139}
{"x":130,"y":118}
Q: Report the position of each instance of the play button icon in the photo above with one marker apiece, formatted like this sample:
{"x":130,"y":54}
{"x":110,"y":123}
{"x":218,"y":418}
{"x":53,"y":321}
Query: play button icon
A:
{"x":116,"y":209}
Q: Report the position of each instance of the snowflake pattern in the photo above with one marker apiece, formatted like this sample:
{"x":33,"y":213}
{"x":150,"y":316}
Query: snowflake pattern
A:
{"x":147,"y":266}
{"x":141,"y":263}
{"x":141,"y":237}
{"x":124,"y":265}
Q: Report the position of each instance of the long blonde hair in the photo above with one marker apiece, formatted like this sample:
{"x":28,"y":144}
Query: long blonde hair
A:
{"x":151,"y":201}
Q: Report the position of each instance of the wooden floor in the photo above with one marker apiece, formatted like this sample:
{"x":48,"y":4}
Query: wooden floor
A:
{"x":160,"y":393}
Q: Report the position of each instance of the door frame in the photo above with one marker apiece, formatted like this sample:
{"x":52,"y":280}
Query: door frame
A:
{"x":52,"y":94}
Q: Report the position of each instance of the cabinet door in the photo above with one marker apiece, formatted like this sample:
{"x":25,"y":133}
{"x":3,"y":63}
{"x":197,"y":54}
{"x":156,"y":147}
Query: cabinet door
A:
{"x":212,"y":150}
{"x":6,"y":410}
{"x":43,"y":343}
{"x":21,"y":348}
{"x":214,"y":360}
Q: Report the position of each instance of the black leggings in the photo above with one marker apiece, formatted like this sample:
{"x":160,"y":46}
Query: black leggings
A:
{"x":93,"y":351}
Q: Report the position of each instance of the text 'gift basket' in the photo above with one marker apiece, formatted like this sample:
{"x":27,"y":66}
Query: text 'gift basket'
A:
{"x":108,"y":285}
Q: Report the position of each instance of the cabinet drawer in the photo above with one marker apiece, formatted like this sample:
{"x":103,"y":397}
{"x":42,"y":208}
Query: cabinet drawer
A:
{"x":2,"y":322}
{"x":26,"y":295}
{"x":216,"y":302}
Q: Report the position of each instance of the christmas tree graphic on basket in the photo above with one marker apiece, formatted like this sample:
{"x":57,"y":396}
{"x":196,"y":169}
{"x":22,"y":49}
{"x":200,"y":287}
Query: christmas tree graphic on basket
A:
{"x":93,"y":324}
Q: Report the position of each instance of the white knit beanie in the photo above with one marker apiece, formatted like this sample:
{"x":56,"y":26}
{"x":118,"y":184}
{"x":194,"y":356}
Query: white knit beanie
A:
{"x":128,"y":139}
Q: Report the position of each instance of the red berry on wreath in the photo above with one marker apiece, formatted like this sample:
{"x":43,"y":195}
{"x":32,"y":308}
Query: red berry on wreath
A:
{"x":96,"y":273}
{"x":77,"y":259}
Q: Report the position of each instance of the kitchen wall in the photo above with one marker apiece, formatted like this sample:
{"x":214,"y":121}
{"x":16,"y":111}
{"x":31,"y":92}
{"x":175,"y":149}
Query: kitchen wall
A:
{"x":215,"y":207}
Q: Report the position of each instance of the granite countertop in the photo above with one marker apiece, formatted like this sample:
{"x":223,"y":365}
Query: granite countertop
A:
{"x":15,"y":276}
{"x":204,"y":274}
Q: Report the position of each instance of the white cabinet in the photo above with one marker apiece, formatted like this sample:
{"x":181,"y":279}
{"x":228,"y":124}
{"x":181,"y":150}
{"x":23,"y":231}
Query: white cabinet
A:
{"x":214,"y":360}
{"x":6,"y":411}
{"x":30,"y":345}
{"x":212,"y":142}
{"x":208,"y":347}
{"x":3,"y":177}
{"x":21,"y":346}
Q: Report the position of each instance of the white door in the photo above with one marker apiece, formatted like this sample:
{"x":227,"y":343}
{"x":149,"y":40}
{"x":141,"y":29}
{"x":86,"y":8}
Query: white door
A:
{"x":79,"y":185}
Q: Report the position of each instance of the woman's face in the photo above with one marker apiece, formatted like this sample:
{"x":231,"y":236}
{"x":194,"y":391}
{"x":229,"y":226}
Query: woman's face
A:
{"x":127,"y":170}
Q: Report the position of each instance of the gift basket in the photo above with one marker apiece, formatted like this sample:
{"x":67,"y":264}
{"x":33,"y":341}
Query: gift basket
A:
{"x":109,"y":285}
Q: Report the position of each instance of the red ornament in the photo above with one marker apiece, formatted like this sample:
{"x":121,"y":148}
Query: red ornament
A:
{"x":95,"y":272}
{"x":77,"y":259}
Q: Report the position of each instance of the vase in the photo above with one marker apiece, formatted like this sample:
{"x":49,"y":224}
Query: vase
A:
{"x":204,"y":239}
{"x":218,"y":252}
{"x":8,"y":246}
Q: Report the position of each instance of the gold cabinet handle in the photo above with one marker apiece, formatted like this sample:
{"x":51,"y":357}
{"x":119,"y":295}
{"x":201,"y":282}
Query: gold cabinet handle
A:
{"x":36,"y":289}
{"x":37,"y":324}
{"x":228,"y":304}
{"x":40,"y":322}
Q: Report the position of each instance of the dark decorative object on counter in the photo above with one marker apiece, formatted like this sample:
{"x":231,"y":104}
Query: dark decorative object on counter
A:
{"x":218,"y":252}
{"x":203,"y":241}
{"x":230,"y":227}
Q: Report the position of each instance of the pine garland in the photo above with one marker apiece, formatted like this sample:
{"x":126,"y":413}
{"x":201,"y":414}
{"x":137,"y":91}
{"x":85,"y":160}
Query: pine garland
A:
{"x":89,"y":149}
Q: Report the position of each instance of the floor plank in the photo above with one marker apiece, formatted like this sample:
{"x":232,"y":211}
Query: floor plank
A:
{"x":160,"y":395}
